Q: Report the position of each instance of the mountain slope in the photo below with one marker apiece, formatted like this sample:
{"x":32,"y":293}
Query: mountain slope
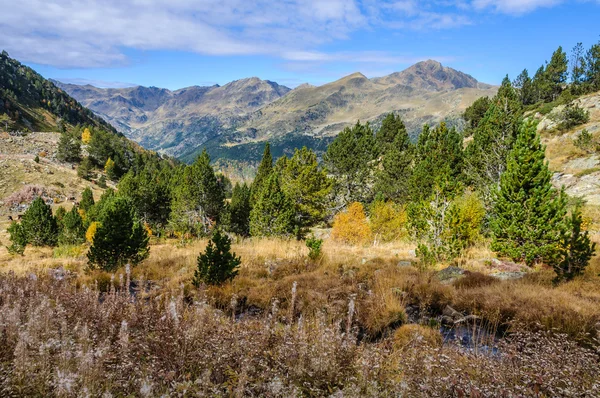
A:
{"x":34,"y":103}
{"x":232,"y":121}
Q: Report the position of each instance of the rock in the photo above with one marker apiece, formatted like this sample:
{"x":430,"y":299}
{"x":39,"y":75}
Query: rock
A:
{"x":506,"y":266}
{"x":451,"y":313}
{"x":450,"y":274}
{"x":467,"y":319}
{"x":507,"y":275}
{"x":404,"y":263}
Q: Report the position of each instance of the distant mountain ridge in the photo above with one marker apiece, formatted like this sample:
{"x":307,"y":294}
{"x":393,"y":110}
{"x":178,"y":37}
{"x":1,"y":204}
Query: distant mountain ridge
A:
{"x":232,"y":121}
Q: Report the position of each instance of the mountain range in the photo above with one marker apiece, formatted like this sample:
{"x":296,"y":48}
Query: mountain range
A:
{"x":233,"y":121}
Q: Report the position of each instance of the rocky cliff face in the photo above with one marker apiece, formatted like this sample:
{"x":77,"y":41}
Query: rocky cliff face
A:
{"x":226,"y":119}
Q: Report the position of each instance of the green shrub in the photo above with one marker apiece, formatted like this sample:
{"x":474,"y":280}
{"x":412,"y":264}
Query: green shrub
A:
{"x":18,"y":237}
{"x":314,"y":247}
{"x":576,"y":250}
{"x":40,"y":225}
{"x":73,"y":230}
{"x":217,"y":264}
{"x":573,"y":115}
{"x":585,"y":141}
{"x":120,"y":238}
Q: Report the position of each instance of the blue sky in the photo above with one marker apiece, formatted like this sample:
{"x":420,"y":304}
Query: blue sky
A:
{"x":180,"y":43}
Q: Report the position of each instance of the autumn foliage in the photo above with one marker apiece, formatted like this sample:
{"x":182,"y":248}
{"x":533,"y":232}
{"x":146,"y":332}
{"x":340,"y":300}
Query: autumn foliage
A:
{"x":351,"y":226}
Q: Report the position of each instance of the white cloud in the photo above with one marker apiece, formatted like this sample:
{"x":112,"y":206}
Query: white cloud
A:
{"x":99,"y":33}
{"x":516,"y":7}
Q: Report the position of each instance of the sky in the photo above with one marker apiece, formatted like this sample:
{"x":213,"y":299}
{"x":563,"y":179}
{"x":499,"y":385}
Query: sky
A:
{"x":180,"y":43}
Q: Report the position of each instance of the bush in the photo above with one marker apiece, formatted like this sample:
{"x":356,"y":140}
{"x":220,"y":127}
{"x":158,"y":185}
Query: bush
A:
{"x":573,"y":115}
{"x":102,"y":182}
{"x":40,"y":225}
{"x":576,"y":250}
{"x":314,"y":247}
{"x":585,"y":141}
{"x":18,"y":237}
{"x":351,"y":226}
{"x":120,"y":237}
{"x":388,"y":221}
{"x":217,"y":264}
{"x":73,"y":231}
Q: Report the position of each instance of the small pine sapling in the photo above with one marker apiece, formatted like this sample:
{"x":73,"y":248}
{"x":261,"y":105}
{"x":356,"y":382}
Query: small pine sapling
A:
{"x":217,"y":264}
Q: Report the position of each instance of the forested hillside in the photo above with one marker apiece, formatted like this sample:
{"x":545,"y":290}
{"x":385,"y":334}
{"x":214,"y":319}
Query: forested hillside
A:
{"x":28,"y":101}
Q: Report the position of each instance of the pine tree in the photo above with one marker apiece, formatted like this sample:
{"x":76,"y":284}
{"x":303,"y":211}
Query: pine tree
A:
{"x":306,"y":185}
{"x":217,"y":264}
{"x":87,"y":199}
{"x":120,"y":237}
{"x":69,"y":148}
{"x":198,"y":197}
{"x":577,"y":66}
{"x":85,"y":168}
{"x":39,"y":224}
{"x":592,"y":68}
{"x":72,"y":231}
{"x":494,"y":137}
{"x":524,"y":86}
{"x":392,"y":180}
{"x":527,"y":221}
{"x":150,"y":193}
{"x":273,"y":213}
{"x":110,"y":169}
{"x":265,"y":168}
{"x":576,"y":249}
{"x":438,"y":161}
{"x":18,"y":238}
{"x":556,"y":74}
{"x":239,"y":210}
{"x":349,"y":158}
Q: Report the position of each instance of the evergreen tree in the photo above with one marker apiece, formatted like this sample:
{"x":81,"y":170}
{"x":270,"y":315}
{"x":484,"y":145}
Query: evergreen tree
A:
{"x":69,"y":148}
{"x":485,"y":156}
{"x":576,"y":249}
{"x":528,"y":212}
{"x":198,"y":197}
{"x":306,"y":185}
{"x":85,"y":168}
{"x":18,"y":238}
{"x":87,"y":199}
{"x":265,"y":168}
{"x":350,"y":159}
{"x":592,"y":68}
{"x":73,"y":231}
{"x":120,"y":237}
{"x":273,"y":212}
{"x":556,"y":74}
{"x":239,"y":210}
{"x":391,"y":126}
{"x":474,"y":113}
{"x":217,"y":264}
{"x":39,"y":224}
{"x":59,"y":214}
{"x":577,"y":66}
{"x":150,"y":194}
{"x":524,"y":86}
{"x":110,"y":169}
{"x":438,"y":161}
{"x":392,"y":180}
{"x":540,"y":85}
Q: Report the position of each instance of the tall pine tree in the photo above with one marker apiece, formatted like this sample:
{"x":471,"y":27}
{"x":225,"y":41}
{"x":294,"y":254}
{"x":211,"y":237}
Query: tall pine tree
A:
{"x":239,"y":210}
{"x":273,"y":212}
{"x":349,"y":159}
{"x":392,"y":179}
{"x":528,"y":213}
{"x":265,"y":168}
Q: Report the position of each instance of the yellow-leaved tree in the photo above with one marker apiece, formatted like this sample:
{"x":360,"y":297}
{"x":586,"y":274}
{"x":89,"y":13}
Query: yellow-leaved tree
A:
{"x":91,"y":231}
{"x":388,"y":221}
{"x":351,"y":226}
{"x":86,"y":136}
